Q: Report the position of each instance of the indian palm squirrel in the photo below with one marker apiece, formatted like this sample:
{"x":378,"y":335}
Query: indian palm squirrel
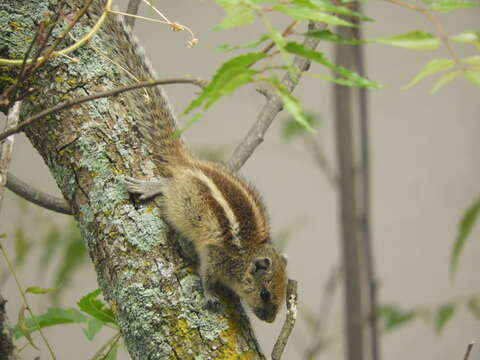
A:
{"x":209,"y":204}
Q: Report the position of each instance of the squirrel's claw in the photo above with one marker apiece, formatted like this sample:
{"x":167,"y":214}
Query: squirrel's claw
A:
{"x":146,"y":189}
{"x":211,"y":302}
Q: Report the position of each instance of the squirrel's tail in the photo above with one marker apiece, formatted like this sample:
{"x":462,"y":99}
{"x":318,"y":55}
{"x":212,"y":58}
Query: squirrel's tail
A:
{"x":156,"y":122}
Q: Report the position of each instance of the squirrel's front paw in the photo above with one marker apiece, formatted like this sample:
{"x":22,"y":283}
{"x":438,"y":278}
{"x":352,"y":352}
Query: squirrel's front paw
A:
{"x":146,"y":189}
{"x":211,"y":302}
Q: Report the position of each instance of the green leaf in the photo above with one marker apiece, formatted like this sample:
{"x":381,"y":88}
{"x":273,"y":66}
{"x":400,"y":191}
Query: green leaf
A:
{"x":23,"y":327}
{"x":416,"y":40}
{"x":472,"y":76}
{"x":393,"y":317}
{"x":238,"y":13}
{"x":22,"y":247}
{"x":306,"y":13}
{"x":473,"y":306}
{"x":96,"y":308}
{"x":53,"y":316}
{"x":327,"y":6}
{"x":340,"y":81}
{"x":449,"y":5}
{"x":444,"y":79}
{"x":443,"y":315}
{"x":38,"y":290}
{"x":468,"y":37}
{"x":292,"y":128}
{"x":292,"y":105}
{"x":327,"y":35}
{"x":231,"y":75}
{"x":253,"y":44}
{"x":473,"y":60}
{"x":299,"y":49}
{"x":464,"y":229}
{"x":434,"y":66}
{"x":93,"y":327}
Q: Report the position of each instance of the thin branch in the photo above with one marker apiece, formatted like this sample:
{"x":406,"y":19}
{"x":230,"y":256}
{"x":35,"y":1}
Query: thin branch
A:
{"x":25,"y":301}
{"x":292,"y":300}
{"x":50,"y":52}
{"x":318,"y":154}
{"x":273,"y":105}
{"x":364,"y":177}
{"x":36,"y":196}
{"x":434,"y":20}
{"x":345,"y":110}
{"x":70,"y":103}
{"x":6,"y":148}
{"x":320,"y":324}
{"x":469,"y":350}
{"x":132,"y":8}
{"x":288,"y":30}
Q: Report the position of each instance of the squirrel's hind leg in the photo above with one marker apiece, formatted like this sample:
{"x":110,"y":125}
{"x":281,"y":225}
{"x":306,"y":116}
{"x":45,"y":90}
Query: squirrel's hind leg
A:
{"x":146,"y":189}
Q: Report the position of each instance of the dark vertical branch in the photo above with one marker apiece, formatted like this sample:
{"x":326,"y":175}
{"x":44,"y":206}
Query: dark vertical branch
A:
{"x":351,"y":107}
{"x":343,"y":97}
{"x":364,"y":211}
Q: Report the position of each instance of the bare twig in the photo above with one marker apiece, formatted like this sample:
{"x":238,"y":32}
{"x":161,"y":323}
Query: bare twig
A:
{"x":36,"y":196}
{"x":273,"y":105}
{"x":70,"y":103}
{"x":291,"y":299}
{"x":132,"y":8}
{"x":319,"y":155}
{"x":288,"y":30}
{"x":469,"y":350}
{"x":25,"y":301}
{"x":320,"y":324}
{"x":6,"y":148}
{"x":442,"y":35}
{"x":62,"y":36}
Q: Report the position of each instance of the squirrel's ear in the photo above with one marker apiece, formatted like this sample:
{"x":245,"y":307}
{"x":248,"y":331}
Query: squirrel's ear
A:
{"x":284,"y":259}
{"x":261,"y":264}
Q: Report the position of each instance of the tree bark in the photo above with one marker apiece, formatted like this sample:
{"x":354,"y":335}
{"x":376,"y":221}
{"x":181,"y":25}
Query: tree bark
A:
{"x":154,"y":291}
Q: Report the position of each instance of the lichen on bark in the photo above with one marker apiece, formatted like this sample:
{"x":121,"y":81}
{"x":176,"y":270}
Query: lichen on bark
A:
{"x":89,"y":149}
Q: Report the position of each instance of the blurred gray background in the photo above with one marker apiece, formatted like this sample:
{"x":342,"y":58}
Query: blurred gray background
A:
{"x":425,"y":173}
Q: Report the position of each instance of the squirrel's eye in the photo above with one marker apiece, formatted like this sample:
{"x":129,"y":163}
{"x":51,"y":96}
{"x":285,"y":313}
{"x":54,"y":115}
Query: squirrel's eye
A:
{"x":265,"y":295}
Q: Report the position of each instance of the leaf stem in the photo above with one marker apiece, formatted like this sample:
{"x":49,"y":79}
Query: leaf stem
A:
{"x":22,"y":293}
{"x":109,"y":342}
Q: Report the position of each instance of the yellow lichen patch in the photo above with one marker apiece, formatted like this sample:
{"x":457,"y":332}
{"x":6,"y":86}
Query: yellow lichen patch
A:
{"x":182,"y":335}
{"x":114,"y":307}
{"x":149,"y":210}
{"x":14,"y":26}
{"x":116,"y":171}
{"x":58,"y":79}
{"x":72,"y":81}
{"x":229,"y":350}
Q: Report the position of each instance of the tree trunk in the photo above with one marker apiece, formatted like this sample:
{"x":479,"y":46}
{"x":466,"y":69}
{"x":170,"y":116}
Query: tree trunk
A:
{"x":154,"y":291}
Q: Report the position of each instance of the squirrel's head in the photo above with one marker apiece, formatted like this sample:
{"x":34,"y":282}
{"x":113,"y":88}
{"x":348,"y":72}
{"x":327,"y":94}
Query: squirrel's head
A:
{"x":265,"y":284}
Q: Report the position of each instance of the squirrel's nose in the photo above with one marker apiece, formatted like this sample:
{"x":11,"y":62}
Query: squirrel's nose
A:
{"x":265,"y":315}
